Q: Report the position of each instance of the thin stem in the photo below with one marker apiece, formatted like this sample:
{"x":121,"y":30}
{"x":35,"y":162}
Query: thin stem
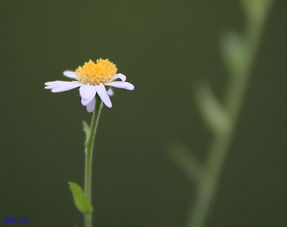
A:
{"x":221,"y":141}
{"x":88,"y":157}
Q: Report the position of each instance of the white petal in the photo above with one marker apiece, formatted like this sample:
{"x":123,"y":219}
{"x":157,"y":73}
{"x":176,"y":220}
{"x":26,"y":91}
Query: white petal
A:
{"x":87,"y":93}
{"x":70,"y":74}
{"x":91,"y":106}
{"x":101,"y":90}
{"x":120,"y":84}
{"x":110,"y":92}
{"x":56,"y":83}
{"x":64,"y":88}
{"x":60,"y":86}
{"x":120,"y":76}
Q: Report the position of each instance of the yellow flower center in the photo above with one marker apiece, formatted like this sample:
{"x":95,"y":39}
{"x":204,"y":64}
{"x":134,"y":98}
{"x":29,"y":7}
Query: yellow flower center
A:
{"x":95,"y":73}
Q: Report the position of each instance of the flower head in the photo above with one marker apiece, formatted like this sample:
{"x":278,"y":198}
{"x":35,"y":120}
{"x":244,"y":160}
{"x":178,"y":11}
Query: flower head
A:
{"x":95,"y":73}
{"x":93,"y":79}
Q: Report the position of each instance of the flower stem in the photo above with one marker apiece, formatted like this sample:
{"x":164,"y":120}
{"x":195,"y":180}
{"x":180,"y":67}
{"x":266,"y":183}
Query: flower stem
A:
{"x":88,"y":157}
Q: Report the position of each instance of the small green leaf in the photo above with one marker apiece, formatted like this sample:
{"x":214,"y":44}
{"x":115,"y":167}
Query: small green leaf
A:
{"x":213,"y":112}
{"x":186,"y":161}
{"x":87,"y":131}
{"x":80,"y":199}
{"x":234,"y":53}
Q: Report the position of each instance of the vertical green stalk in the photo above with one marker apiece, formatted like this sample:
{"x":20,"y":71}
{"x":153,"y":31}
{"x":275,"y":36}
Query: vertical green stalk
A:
{"x":207,"y":184}
{"x":88,"y":157}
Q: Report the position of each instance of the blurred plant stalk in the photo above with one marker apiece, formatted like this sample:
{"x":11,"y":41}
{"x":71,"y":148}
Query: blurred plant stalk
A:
{"x":239,"y":53}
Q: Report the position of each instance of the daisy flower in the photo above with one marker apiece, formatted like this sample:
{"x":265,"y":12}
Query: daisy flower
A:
{"x":92,"y":79}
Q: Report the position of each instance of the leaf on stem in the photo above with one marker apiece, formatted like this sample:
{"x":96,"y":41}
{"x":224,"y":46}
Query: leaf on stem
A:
{"x":87,"y":131}
{"x":186,"y":161}
{"x":80,"y":199}
{"x":213,"y":112}
{"x":234,"y":53}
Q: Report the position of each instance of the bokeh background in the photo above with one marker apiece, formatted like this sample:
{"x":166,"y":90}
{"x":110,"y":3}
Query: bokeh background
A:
{"x":165,"y":48}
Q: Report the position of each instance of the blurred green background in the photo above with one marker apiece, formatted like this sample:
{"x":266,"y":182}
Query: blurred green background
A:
{"x":165,"y":48}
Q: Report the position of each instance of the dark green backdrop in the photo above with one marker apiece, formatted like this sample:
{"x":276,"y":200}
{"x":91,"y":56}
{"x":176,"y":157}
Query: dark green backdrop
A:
{"x":165,"y":48}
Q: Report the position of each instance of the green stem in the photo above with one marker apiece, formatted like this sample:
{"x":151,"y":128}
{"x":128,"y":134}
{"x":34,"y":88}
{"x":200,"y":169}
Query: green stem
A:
{"x":221,"y":142}
{"x":88,"y":157}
